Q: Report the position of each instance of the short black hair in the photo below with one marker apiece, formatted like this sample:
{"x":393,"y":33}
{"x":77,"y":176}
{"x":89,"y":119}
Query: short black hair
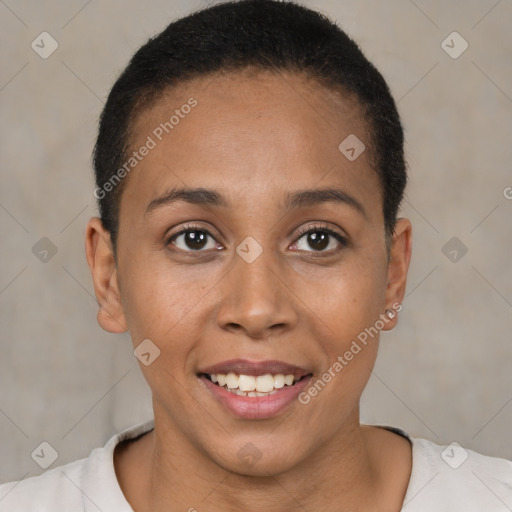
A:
{"x":230,"y":36}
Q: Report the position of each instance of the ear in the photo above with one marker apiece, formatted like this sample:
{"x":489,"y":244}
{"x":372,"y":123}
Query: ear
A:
{"x":100,"y":257}
{"x":398,"y":266}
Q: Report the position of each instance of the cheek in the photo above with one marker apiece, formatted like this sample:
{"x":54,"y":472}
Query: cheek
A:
{"x":161,"y":303}
{"x":349,"y":342}
{"x":165,"y":306}
{"x":349,"y":315}
{"x":348,"y":300}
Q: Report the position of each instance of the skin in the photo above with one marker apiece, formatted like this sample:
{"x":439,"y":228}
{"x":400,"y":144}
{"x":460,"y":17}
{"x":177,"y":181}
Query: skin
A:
{"x":253,"y":137}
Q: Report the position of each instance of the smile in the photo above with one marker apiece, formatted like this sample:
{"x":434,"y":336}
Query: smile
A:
{"x":254,"y":389}
{"x":253,"y":386}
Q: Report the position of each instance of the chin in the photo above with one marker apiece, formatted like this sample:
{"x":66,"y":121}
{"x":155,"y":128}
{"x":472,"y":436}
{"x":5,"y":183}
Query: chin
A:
{"x":261,"y":458}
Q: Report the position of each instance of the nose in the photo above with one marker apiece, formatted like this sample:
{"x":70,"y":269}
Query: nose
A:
{"x":256,"y":299}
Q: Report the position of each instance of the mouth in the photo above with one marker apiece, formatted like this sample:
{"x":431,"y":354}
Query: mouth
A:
{"x":255,"y":390}
{"x":253,"y":386}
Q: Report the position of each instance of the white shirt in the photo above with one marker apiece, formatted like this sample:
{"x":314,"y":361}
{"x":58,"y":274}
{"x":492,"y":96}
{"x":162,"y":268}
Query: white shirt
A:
{"x":443,"y":479}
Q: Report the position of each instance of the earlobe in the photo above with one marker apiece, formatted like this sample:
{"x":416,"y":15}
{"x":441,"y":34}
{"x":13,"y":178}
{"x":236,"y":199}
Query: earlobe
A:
{"x":400,"y":257}
{"x":100,"y":257}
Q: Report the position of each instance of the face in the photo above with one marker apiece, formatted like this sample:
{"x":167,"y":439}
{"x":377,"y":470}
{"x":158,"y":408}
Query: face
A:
{"x":255,"y":271}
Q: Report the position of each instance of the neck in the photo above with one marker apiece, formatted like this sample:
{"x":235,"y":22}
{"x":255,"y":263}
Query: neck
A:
{"x":343,"y":473}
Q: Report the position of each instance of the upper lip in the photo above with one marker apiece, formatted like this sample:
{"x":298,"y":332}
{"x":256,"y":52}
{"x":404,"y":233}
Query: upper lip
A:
{"x":255,"y":368}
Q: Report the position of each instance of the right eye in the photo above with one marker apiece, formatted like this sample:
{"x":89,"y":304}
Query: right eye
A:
{"x":192,"y":239}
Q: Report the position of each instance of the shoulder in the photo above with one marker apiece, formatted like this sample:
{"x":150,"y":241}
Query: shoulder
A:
{"x":84,"y":485}
{"x":59,"y":487}
{"x":454,"y":478}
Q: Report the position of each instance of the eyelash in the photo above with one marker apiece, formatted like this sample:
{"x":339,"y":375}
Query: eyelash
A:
{"x":322,"y":228}
{"x":303,"y":231}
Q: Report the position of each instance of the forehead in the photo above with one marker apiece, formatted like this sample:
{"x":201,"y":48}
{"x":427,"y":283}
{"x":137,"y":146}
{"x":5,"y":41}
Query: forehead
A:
{"x":254,"y":133}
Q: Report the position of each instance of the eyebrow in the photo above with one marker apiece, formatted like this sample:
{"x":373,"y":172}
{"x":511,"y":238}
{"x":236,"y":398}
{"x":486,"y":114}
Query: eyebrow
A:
{"x":293,"y":200}
{"x":198,"y":196}
{"x":305,"y":198}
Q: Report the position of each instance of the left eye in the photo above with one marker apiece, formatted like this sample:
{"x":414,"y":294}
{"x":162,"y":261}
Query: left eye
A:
{"x":320,"y":240}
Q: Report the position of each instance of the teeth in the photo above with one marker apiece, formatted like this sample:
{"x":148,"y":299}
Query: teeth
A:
{"x":250,"y":393}
{"x":248,"y":385}
{"x":265,"y":383}
{"x":278,"y":381}
{"x":231,"y":381}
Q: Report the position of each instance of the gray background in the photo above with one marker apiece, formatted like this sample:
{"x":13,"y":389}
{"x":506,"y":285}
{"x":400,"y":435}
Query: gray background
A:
{"x":444,"y":373}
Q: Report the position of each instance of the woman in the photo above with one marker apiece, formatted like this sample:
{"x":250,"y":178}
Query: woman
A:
{"x":249,"y":168}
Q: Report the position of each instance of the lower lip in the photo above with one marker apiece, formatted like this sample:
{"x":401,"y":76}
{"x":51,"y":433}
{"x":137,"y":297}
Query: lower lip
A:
{"x":258,"y":407}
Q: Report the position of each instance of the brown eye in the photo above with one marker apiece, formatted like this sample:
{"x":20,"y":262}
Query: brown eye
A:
{"x":320,"y":240}
{"x":193,"y":239}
